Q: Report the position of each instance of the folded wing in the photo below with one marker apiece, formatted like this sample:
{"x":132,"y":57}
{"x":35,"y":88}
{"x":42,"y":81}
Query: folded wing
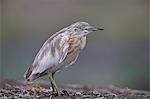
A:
{"x":52,"y":53}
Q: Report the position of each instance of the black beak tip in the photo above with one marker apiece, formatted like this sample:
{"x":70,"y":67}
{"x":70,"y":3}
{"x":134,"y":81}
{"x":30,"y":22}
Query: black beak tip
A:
{"x":100,"y":29}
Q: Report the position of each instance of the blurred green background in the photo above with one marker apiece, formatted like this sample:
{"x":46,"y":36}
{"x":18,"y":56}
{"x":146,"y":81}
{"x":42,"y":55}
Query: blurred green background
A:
{"x":117,"y":56}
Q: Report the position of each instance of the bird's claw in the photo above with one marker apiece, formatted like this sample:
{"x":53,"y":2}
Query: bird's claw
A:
{"x":57,"y":93}
{"x":60,"y":93}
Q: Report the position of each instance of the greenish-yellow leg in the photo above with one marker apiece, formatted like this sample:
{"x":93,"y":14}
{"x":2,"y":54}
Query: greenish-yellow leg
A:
{"x":53,"y":89}
{"x":54,"y":86}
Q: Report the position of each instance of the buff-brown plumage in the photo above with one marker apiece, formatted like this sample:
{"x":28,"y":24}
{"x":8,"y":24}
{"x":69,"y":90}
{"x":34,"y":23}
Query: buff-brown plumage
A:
{"x":60,"y":50}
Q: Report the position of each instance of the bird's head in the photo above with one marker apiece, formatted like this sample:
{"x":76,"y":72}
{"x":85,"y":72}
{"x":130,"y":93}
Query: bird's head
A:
{"x":83,"y":28}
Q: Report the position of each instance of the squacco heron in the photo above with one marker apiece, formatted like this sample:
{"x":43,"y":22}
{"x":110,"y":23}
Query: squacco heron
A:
{"x":59,"y":51}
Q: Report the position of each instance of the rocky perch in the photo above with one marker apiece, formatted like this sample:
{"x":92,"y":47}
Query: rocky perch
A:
{"x":19,"y":90}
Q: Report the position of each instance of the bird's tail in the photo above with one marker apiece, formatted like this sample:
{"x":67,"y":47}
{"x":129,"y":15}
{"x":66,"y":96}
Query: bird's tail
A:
{"x":29,"y":76}
{"x":28,"y":72}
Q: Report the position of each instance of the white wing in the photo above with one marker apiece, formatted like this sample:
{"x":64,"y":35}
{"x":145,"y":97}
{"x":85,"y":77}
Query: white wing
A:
{"x":51,"y":54}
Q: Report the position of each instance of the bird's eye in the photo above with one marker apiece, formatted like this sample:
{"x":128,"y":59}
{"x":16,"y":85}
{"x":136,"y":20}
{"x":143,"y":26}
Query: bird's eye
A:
{"x":75,"y":29}
{"x":85,"y":29}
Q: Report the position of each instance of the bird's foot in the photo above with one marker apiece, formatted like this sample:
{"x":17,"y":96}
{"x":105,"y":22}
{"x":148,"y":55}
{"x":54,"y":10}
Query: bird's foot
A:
{"x":60,"y":93}
{"x":65,"y":92}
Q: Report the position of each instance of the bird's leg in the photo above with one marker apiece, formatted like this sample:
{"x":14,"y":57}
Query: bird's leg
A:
{"x":55,"y":87}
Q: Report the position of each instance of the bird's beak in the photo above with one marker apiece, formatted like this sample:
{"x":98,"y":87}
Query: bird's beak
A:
{"x":92,"y":28}
{"x":100,"y":28}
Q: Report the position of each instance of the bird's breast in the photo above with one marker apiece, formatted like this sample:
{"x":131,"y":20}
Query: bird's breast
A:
{"x":76,"y":44}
